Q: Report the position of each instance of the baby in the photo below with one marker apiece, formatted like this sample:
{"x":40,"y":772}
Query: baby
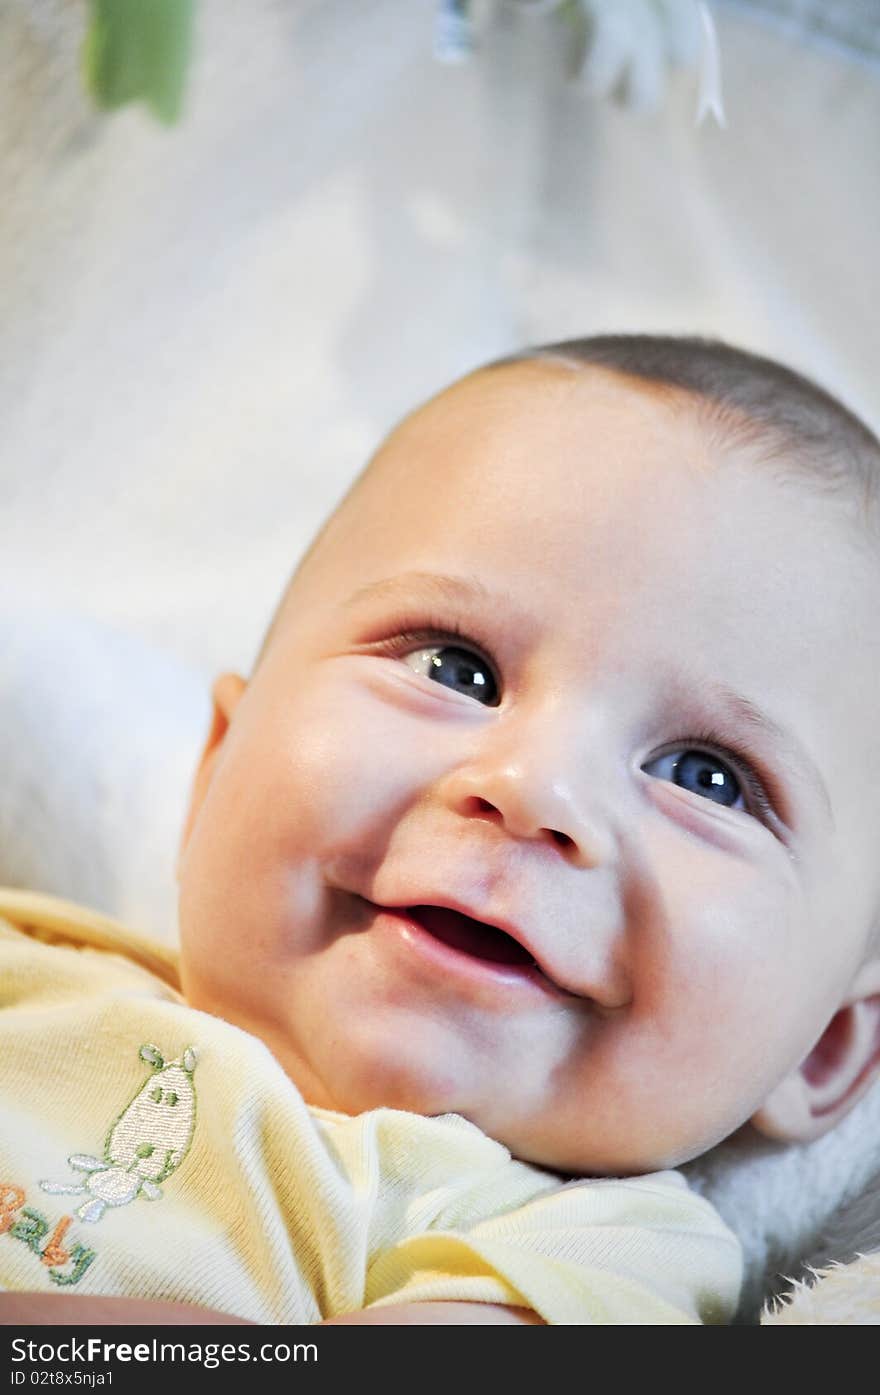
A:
{"x":538,"y":850}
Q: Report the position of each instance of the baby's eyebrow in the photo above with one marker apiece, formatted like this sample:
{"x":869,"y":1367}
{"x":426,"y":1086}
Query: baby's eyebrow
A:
{"x":747,"y":714}
{"x":436,"y":584}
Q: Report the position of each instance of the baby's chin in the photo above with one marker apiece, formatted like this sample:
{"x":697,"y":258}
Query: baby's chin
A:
{"x":527,"y":1142}
{"x":356,"y":1082}
{"x":625,"y":1153}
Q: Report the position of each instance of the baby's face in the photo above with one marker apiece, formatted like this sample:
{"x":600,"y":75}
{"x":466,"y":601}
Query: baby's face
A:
{"x":505,"y":685}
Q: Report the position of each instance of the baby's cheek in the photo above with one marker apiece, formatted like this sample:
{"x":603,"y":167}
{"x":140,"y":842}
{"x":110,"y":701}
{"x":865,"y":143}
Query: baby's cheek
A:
{"x":723,"y":967}
{"x":713,"y":915}
{"x":340,"y":776}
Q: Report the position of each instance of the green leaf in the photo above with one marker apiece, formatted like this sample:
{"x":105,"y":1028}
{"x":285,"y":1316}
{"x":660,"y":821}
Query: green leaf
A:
{"x":138,"y":51}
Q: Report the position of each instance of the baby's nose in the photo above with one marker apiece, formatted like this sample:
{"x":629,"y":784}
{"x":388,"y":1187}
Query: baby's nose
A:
{"x":527,"y":785}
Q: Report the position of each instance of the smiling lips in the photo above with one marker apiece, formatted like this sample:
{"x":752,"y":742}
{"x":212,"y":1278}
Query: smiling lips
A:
{"x":470,"y":936}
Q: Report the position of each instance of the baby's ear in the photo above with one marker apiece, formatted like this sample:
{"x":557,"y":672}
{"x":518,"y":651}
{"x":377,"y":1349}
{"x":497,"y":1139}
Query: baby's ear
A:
{"x":841,"y":1066}
{"x":226,"y":694}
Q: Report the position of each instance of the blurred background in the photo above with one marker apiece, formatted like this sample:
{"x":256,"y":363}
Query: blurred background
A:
{"x":206,"y":326}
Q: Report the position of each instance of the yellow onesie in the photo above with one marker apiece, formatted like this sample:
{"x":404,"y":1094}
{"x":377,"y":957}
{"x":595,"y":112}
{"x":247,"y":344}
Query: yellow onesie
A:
{"x":150,"y":1150}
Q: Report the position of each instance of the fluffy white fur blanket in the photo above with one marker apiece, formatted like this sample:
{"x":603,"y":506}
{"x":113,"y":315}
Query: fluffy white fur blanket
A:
{"x":99,"y":735}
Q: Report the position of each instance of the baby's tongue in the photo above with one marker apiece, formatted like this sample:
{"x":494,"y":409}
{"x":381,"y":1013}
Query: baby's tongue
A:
{"x":471,"y":936}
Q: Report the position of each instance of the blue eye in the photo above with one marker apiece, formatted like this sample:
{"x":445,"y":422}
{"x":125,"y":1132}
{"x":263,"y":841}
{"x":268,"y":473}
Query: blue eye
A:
{"x":701,"y":773}
{"x":458,"y":668}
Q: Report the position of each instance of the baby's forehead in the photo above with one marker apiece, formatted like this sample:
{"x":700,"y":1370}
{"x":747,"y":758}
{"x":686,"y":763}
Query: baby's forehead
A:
{"x":536,"y":394}
{"x":538,"y":469}
{"x":573,"y":428}
{"x":503,"y":427}
{"x":566,"y":450}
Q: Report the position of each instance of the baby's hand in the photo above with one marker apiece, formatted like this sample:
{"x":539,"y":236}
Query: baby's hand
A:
{"x":39,"y":1309}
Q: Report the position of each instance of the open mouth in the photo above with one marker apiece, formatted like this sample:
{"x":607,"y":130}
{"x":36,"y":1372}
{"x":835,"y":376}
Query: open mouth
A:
{"x":470,"y":936}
